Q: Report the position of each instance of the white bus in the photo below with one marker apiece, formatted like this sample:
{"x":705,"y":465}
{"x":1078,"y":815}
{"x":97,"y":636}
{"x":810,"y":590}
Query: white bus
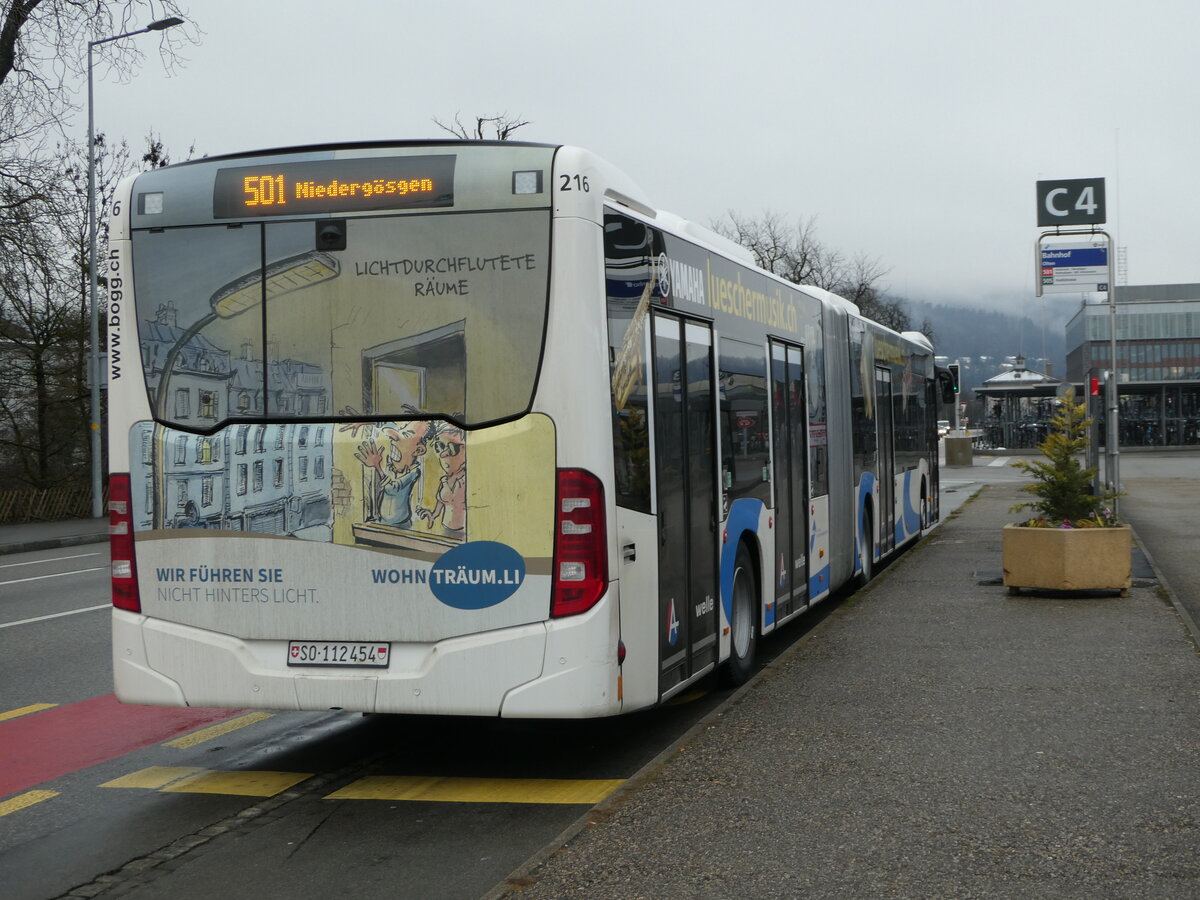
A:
{"x":471,"y":428}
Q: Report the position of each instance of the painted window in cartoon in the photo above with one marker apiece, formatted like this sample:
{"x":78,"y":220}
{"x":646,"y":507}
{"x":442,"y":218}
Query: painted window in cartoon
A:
{"x":188,"y":350}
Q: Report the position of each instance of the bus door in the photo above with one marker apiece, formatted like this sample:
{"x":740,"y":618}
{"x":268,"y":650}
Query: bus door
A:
{"x":790,"y":450}
{"x":886,"y":441}
{"x":687,"y":497}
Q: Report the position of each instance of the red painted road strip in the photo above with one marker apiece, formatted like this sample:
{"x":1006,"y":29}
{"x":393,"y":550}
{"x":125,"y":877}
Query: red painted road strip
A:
{"x":56,"y":742}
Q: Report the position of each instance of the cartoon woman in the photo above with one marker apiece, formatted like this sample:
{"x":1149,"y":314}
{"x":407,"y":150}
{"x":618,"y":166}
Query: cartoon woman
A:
{"x":449,"y":443}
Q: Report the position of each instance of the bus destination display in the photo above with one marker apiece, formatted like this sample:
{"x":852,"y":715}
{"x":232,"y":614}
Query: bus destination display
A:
{"x":334,"y":185}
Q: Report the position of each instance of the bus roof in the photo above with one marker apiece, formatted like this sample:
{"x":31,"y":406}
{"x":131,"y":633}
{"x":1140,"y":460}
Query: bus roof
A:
{"x":358,"y":145}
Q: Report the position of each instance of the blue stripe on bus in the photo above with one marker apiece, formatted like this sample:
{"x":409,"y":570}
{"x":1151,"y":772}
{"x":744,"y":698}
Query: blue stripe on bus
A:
{"x":910,"y":523}
{"x":818,"y":583}
{"x":744,"y":516}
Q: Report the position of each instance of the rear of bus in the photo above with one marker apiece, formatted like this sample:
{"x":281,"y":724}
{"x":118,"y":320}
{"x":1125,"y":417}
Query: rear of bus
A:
{"x":351,"y":469}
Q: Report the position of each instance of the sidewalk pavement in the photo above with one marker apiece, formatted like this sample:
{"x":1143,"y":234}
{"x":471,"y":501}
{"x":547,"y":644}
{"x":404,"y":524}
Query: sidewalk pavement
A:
{"x":50,"y":535}
{"x":932,"y":737}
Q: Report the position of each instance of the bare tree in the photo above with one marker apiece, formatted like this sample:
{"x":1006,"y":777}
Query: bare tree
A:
{"x":502,"y":125}
{"x":860,"y":283}
{"x":794,"y":253}
{"x":43,"y":43}
{"x":42,"y":436}
{"x":157,"y":156}
{"x":44,"y":307}
{"x":43,"y":60}
{"x":45,"y":315}
{"x":790,"y":252}
{"x":926,"y":328}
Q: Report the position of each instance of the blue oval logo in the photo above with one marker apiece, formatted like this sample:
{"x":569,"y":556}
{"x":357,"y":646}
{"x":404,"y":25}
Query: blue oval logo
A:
{"x":477,"y":575}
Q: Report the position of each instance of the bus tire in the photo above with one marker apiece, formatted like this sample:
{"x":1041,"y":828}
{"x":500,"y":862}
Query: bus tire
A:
{"x":743,"y":620}
{"x":867,"y":550}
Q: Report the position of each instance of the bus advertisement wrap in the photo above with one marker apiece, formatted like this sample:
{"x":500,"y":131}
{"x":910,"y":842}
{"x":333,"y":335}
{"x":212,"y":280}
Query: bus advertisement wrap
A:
{"x":468,"y":428}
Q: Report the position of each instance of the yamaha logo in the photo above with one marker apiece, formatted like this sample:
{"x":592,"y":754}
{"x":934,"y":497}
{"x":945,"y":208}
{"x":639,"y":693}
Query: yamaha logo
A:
{"x":679,"y":282}
{"x":663,"y":274}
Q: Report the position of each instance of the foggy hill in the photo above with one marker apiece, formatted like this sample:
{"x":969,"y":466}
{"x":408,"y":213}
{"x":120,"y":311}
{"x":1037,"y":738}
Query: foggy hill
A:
{"x":985,"y":338}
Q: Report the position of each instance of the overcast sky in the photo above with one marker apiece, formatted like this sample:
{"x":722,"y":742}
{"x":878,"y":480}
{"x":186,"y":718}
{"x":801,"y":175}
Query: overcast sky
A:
{"x":914,"y":131}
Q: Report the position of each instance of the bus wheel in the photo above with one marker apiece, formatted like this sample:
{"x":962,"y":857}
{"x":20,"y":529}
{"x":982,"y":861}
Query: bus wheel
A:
{"x":743,"y":625}
{"x":867,"y":551}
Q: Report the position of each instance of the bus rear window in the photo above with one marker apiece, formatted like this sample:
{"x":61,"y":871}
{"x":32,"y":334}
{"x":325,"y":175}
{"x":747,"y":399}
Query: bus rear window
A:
{"x":442,"y":315}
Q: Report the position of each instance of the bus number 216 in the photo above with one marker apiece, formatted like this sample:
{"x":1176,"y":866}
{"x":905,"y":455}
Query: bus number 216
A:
{"x":574,"y":183}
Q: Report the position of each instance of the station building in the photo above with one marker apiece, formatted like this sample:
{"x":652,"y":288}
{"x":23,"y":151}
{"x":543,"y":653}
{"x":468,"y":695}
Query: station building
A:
{"x":1158,"y":361}
{"x":1017,"y":406}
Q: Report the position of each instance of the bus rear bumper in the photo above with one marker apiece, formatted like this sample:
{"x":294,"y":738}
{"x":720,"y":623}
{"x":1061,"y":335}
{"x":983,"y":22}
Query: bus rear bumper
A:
{"x":580,"y":677}
{"x":534,"y":670}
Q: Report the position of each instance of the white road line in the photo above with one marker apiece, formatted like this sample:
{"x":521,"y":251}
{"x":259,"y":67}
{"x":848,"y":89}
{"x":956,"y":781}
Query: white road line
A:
{"x":41,"y":562}
{"x":55,"y":575}
{"x":1000,"y":461}
{"x":69,"y":612}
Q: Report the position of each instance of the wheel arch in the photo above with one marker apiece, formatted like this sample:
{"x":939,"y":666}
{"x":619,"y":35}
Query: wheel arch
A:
{"x":745,"y":522}
{"x":866,"y":541}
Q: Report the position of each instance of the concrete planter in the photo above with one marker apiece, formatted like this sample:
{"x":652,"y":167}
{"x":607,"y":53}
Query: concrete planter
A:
{"x":1068,"y":559}
{"x":959,"y":451}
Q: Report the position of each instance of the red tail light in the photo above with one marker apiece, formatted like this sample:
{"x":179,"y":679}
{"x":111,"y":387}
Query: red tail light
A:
{"x":120,"y":538}
{"x":580,"y":543}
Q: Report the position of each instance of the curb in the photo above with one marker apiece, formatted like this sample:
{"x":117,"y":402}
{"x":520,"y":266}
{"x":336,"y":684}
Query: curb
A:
{"x":73,"y":540}
{"x":1182,"y":611}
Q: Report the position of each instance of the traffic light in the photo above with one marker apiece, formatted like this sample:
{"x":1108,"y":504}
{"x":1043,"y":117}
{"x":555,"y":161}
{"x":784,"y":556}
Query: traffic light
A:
{"x":953,"y":367}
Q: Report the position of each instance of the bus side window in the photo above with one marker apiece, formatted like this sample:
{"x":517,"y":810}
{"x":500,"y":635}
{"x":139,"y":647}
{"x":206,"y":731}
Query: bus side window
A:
{"x":745,"y":454}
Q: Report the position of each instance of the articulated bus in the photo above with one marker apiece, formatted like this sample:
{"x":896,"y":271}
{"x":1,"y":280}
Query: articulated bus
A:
{"x":471,"y":428}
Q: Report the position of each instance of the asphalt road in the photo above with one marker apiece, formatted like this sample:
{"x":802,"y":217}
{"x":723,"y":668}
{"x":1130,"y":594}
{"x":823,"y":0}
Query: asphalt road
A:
{"x":1162,"y":502}
{"x":155,"y":796}
{"x":54,"y":625}
{"x":195,"y":843}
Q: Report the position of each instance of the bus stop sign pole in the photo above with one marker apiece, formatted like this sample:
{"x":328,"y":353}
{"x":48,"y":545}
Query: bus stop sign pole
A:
{"x":1081,"y":202}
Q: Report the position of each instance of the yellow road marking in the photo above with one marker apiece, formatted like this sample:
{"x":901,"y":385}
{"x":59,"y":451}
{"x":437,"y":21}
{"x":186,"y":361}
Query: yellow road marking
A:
{"x":213,"y":731}
{"x":689,"y":697}
{"x":23,"y":800}
{"x":25,"y":710}
{"x":239,"y":783}
{"x":477,"y":790}
{"x":195,"y":780}
{"x":153,"y":778}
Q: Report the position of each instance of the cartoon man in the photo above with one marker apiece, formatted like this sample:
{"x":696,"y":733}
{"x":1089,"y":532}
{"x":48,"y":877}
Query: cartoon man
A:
{"x":449,"y":443}
{"x":397,"y":468}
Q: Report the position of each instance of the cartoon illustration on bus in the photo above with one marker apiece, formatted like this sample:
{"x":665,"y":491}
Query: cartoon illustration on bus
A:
{"x":393,"y":453}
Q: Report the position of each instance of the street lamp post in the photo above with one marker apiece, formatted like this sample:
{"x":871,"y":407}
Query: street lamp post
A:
{"x":94,"y":371}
